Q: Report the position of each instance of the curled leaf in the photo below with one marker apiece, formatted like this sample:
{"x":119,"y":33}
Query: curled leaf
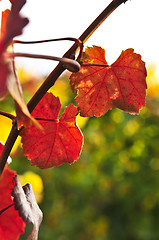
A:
{"x":27,"y":206}
{"x":11,"y":225}
{"x":24,"y":117}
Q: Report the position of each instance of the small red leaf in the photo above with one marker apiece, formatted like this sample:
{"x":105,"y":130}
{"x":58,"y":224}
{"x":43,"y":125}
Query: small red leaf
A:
{"x":59,"y":142}
{"x":121,"y":85}
{"x":11,"y":225}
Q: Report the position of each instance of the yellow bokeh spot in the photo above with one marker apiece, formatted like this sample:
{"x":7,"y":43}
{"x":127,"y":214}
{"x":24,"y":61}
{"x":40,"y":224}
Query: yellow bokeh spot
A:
{"x":131,"y":128}
{"x":138,"y":148}
{"x":150,"y":201}
{"x":124,"y":156}
{"x":36,"y":182}
{"x":81,"y":121}
{"x":131,"y":166}
{"x":154,"y":163}
{"x":100,"y":227}
{"x":106,"y":183}
{"x":117,"y":116}
{"x":116,"y":145}
{"x":60,"y":89}
{"x":152,"y":81}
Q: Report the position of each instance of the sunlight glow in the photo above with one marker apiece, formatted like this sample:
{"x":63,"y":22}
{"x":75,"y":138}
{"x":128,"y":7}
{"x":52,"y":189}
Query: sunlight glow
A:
{"x":128,"y":27}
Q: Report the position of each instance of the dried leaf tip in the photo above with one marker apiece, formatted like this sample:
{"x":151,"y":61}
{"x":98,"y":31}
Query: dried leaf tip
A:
{"x":27,"y":206}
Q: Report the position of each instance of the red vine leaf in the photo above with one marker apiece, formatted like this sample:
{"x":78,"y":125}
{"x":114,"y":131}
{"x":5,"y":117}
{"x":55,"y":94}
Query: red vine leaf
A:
{"x":60,"y":140}
{"x":12,"y":24}
{"x":121,"y":85}
{"x":11,"y":225}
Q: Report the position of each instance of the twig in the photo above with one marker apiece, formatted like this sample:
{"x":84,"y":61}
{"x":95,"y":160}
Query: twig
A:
{"x":76,"y":40}
{"x":8,"y":147}
{"x":8,"y":115}
{"x":70,"y":64}
{"x":49,"y":40}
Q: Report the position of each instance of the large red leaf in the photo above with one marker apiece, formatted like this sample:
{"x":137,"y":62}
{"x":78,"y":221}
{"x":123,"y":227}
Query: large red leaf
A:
{"x":60,"y":140}
{"x":121,"y":85}
{"x":11,"y":225}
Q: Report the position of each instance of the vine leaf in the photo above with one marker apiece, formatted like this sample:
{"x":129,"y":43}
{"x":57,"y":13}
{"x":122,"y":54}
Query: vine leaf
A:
{"x":59,"y":142}
{"x":12,"y":24}
{"x":11,"y":225}
{"x":121,"y":85}
{"x":27,"y":206}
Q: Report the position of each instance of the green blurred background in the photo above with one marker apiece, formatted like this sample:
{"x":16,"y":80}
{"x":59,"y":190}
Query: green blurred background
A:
{"x":112,"y":191}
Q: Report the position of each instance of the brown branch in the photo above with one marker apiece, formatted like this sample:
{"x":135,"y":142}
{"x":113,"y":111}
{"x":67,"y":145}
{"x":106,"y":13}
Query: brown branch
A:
{"x":8,"y":147}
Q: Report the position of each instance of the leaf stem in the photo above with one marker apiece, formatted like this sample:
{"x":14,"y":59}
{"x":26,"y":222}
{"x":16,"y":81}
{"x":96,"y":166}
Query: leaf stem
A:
{"x":69,"y":64}
{"x":49,"y":40}
{"x":76,"y":40}
{"x":4,"y":209}
{"x":8,"y":115}
{"x":94,"y":65}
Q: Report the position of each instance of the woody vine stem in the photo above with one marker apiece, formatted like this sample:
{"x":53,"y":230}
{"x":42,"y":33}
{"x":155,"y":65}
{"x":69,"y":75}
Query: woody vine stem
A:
{"x":54,"y":75}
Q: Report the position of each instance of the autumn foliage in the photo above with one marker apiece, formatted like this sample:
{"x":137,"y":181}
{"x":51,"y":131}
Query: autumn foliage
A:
{"x":121,"y":85}
{"x":47,"y":139}
{"x":59,"y":140}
